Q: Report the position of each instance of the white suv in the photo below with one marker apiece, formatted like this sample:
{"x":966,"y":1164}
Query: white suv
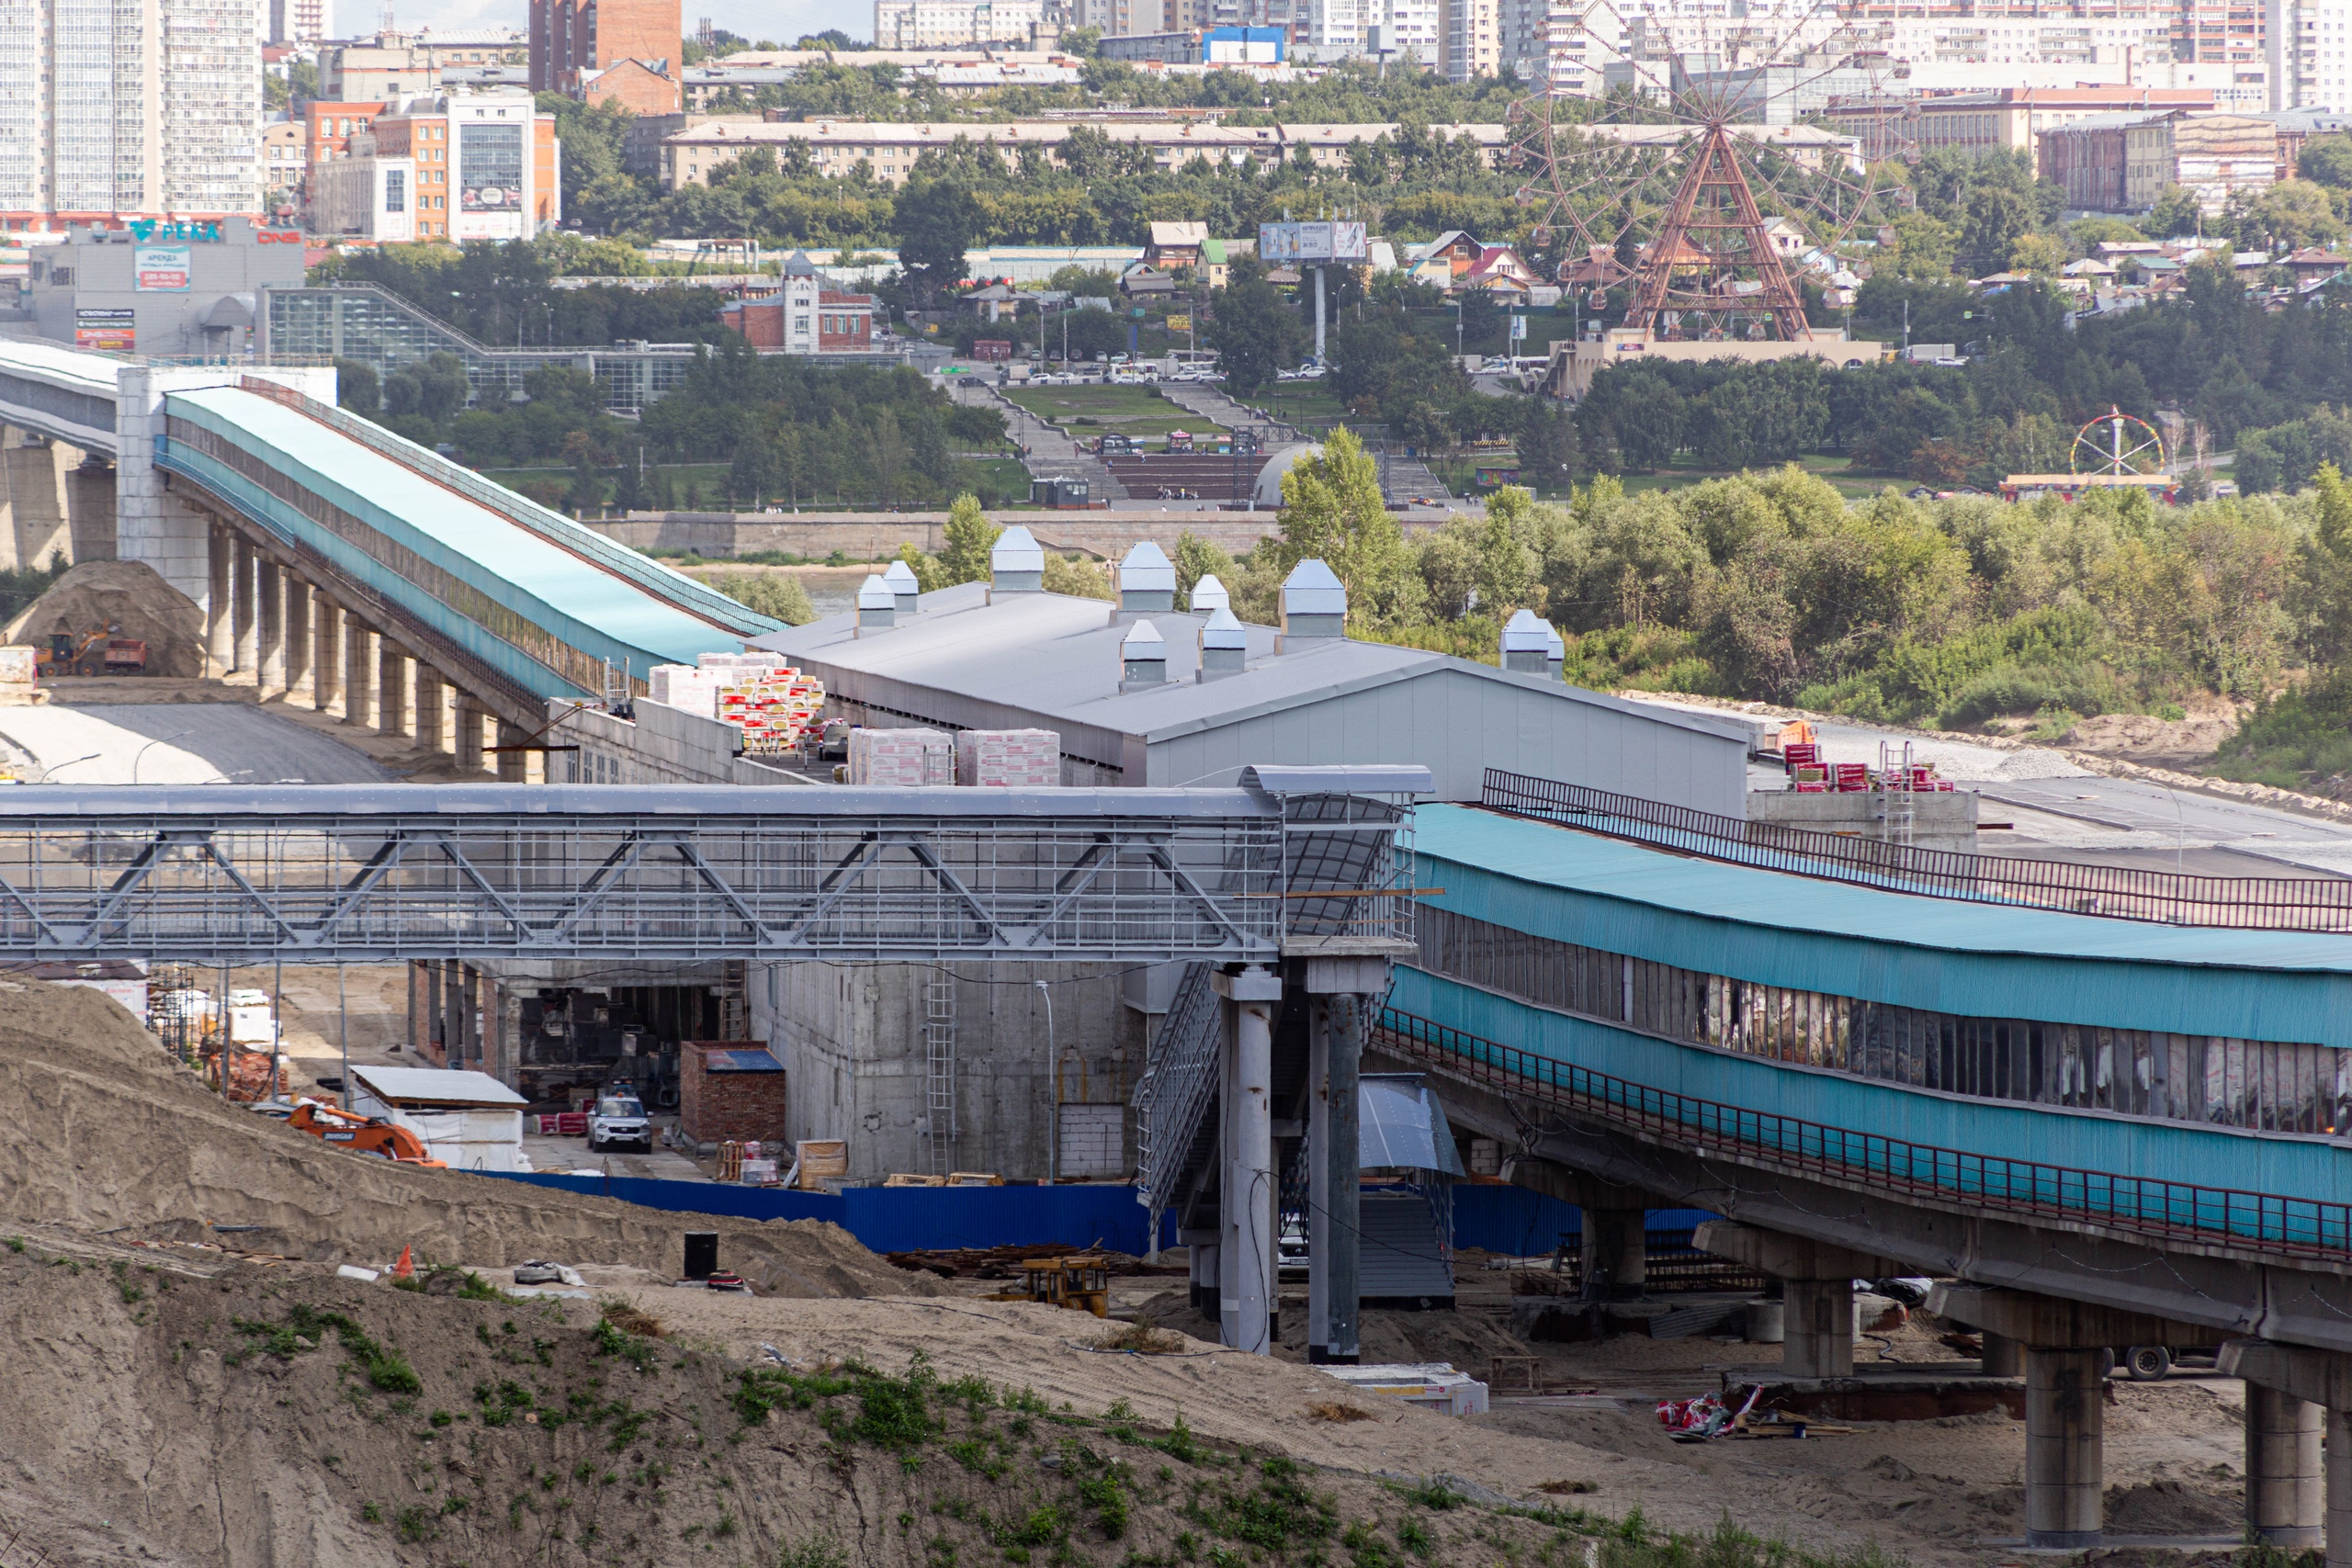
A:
{"x":618,"y":1119}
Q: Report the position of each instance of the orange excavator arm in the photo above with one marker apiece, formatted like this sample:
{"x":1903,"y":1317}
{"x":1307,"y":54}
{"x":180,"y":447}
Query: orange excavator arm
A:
{"x":363,"y":1134}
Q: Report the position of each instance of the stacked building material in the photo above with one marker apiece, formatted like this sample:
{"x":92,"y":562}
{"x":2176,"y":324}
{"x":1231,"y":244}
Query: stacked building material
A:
{"x":684,"y":687}
{"x":1005,"y":759}
{"x":905,"y":756}
{"x":774,"y":707}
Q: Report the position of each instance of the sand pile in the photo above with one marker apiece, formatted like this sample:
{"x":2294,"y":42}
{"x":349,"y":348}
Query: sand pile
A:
{"x":127,"y":593}
{"x":111,"y":1133}
{"x":278,"y":1417}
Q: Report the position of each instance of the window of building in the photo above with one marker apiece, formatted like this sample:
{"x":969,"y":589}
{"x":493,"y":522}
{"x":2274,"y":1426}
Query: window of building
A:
{"x":396,"y":190}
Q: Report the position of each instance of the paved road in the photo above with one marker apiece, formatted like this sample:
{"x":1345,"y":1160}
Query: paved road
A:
{"x":177,"y":743}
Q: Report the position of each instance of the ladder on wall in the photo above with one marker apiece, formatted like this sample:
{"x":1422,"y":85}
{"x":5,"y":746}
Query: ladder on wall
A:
{"x":1898,"y":816}
{"x":939,"y":1068}
{"x":734,"y":1012}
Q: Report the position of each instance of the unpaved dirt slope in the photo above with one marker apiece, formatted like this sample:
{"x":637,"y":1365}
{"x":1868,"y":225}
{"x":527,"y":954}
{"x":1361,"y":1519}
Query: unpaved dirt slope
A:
{"x":108,"y":1133}
{"x":161,"y":1415}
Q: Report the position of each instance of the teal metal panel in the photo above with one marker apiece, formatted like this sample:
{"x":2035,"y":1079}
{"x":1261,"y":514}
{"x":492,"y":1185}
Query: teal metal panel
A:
{"x":1942,"y":955}
{"x":592,"y":610}
{"x":2282,"y":1165}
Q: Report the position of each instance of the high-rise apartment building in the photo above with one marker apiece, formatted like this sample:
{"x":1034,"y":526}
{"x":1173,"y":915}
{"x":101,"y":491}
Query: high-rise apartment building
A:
{"x":298,"y":21}
{"x":2309,"y":46}
{"x":570,"y":37}
{"x":952,"y":24}
{"x":129,"y":107}
{"x":1472,"y":39}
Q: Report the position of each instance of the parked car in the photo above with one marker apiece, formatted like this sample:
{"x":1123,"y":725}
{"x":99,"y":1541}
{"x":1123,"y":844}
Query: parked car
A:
{"x":620,"y":1119}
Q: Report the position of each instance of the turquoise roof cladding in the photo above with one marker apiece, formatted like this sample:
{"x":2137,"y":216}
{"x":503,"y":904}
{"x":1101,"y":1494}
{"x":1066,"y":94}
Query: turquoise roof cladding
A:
{"x":594,"y":610}
{"x":1941,"y":955}
{"x":2283,"y":1164}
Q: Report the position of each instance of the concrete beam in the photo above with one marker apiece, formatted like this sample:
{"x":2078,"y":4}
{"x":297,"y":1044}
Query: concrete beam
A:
{"x":1570,"y":1185}
{"x":2320,"y":1377}
{"x":1791,"y":1257}
{"x":2050,"y":1323}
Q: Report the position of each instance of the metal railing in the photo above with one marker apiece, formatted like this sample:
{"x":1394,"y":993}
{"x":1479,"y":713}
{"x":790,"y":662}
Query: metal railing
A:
{"x":1173,"y":1098}
{"x":2236,"y":903}
{"x":2153,"y":1207}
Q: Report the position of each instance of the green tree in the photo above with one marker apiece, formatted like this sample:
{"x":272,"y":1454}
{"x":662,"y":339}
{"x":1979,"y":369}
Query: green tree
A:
{"x":1196,"y":557}
{"x":358,"y":388}
{"x":936,"y":221}
{"x":2296,"y":213}
{"x":1924,"y":248}
{"x":1508,"y":572}
{"x":751,"y":477}
{"x":776,"y":593}
{"x":970,"y":536}
{"x":2175,"y":211}
{"x":1550,"y":456}
{"x":1256,"y":334}
{"x":1332,"y":512}
{"x":2328,"y":161}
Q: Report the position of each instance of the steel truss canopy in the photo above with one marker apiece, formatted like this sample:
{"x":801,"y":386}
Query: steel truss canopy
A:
{"x":380,"y":874}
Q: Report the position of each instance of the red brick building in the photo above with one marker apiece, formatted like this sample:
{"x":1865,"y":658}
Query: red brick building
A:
{"x":329,"y":128}
{"x":636,"y":86}
{"x":841,"y":323}
{"x":572,"y":38}
{"x":729,"y":1088}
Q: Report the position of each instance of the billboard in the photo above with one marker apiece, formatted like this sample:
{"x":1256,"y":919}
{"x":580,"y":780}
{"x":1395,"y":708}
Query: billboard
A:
{"x":114,"y":330}
{"x":160,"y":268}
{"x":1311,"y":244}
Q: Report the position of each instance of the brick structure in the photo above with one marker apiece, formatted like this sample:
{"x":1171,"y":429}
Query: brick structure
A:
{"x":570,"y":37}
{"x":817,"y":321}
{"x":730,"y":1089}
{"x":639,"y":88}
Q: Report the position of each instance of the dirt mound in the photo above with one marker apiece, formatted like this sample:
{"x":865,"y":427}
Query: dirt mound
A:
{"x":99,"y":595}
{"x":2169,"y":1507}
{"x":112,"y":1134}
{"x":272,"y":1416}
{"x":2154,"y":742}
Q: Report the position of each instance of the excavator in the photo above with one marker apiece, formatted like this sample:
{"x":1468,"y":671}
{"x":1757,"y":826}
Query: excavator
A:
{"x":362,"y":1135}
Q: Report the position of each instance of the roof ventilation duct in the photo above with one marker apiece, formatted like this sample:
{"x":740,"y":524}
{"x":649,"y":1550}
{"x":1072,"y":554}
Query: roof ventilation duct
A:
{"x":1017,"y":562}
{"x":1209,"y":595}
{"x":1143,"y":658}
{"x":903,"y":586}
{"x":1314,"y":604}
{"x":1527,"y":644}
{"x":1225,"y":646}
{"x":877,"y":607}
{"x":1147,"y":581}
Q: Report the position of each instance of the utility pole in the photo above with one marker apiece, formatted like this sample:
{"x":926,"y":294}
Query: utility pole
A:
{"x":1906,"y":328}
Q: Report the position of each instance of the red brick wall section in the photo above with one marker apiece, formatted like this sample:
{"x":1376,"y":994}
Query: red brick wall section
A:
{"x":714,"y":1107}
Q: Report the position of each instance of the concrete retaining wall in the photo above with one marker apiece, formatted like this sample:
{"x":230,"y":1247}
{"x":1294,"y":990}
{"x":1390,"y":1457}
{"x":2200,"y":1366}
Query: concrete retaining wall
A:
{"x":873,"y":535}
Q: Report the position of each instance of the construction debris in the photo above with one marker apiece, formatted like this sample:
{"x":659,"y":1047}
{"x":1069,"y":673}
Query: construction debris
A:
{"x":111,"y":600}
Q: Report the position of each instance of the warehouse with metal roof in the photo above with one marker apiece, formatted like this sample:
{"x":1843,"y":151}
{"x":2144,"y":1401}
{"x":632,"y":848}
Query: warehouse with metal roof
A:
{"x":1210,"y":695}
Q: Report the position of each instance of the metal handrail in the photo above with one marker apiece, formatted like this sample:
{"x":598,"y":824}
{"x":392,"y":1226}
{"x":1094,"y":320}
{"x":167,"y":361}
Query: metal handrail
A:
{"x":1174,"y":1093}
{"x":2148,"y":1206}
{"x":2235,"y":903}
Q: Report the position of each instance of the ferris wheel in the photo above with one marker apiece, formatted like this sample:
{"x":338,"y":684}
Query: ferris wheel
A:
{"x":1689,"y":197}
{"x":2117,"y":443}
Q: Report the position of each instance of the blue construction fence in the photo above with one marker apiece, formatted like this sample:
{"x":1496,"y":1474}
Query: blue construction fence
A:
{"x":927,"y":1219}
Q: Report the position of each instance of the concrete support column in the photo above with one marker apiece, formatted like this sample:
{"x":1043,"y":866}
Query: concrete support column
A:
{"x":269,"y":669}
{"x":452,"y":1004}
{"x":430,"y":703}
{"x":2000,"y":1358}
{"x":468,"y":735}
{"x":359,"y":670}
{"x":220,"y":644}
{"x":1318,"y":1152}
{"x":2066,"y":1413}
{"x":2283,"y":1502}
{"x":391,"y":689}
{"x":327,"y":654}
{"x":2339,"y":1489}
{"x":1616,"y":1255}
{"x":1246,"y":1293}
{"x":1820,"y":1327}
{"x":1343,"y":1184}
{"x":510,"y":764}
{"x":1203,"y":1248}
{"x":240,"y":605}
{"x":298,"y":634}
{"x":469,"y":1017}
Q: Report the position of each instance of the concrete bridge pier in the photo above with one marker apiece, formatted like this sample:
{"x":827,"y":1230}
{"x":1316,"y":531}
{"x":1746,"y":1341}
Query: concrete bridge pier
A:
{"x":1340,"y":995}
{"x":269,"y":638}
{"x":90,"y":509}
{"x":2003,"y":1356}
{"x":298,"y":614}
{"x":244,"y":568}
{"x":326,"y":678}
{"x":2065,"y":1400}
{"x":220,"y":631}
{"x":358,"y":671}
{"x":1616,"y":1219}
{"x":2296,"y":1395}
{"x":1818,"y":1281}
